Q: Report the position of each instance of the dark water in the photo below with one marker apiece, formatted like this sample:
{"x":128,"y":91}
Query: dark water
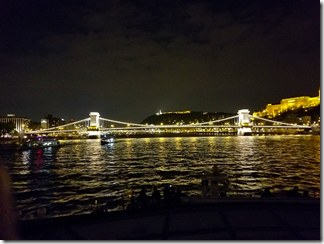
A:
{"x":67,"y":180}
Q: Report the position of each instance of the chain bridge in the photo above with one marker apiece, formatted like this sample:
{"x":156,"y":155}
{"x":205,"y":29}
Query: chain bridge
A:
{"x":241,"y":124}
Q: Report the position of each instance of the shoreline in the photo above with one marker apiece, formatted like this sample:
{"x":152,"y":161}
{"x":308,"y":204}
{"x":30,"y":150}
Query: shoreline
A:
{"x":144,"y":135}
{"x":222,"y":219}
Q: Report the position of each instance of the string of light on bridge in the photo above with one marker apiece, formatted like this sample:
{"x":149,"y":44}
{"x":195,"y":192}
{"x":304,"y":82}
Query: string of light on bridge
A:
{"x":244,"y":120}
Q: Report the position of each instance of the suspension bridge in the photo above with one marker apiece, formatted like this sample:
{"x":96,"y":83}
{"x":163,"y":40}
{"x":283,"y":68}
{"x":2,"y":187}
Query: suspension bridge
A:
{"x":241,"y":124}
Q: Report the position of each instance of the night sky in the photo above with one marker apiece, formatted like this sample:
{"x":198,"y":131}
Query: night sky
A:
{"x":128,"y":59}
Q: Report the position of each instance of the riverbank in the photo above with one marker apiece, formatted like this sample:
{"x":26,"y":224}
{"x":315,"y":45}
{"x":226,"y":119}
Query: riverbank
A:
{"x":212,"y":134}
{"x":189,"y":134}
{"x":168,"y":134}
{"x":222,"y":219}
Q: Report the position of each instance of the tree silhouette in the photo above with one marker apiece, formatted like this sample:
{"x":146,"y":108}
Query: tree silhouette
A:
{"x":7,"y":128}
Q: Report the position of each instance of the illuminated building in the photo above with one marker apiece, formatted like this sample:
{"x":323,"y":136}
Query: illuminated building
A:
{"x":49,"y":121}
{"x":178,"y":112}
{"x":21,"y":123}
{"x":286,"y":104}
{"x":44,"y":123}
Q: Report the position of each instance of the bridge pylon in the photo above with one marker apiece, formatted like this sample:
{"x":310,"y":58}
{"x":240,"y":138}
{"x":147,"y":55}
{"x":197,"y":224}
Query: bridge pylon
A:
{"x":244,"y":122}
{"x":94,"y":120}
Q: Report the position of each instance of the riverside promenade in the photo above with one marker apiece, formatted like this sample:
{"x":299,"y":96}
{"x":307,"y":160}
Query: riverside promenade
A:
{"x":196,"y":219}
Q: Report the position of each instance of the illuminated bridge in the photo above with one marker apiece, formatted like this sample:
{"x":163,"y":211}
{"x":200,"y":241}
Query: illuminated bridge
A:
{"x":241,"y":124}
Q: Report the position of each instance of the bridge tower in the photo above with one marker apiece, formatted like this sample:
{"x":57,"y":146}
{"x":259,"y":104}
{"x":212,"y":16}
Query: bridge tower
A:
{"x":94,"y":120}
{"x":244,"y":122}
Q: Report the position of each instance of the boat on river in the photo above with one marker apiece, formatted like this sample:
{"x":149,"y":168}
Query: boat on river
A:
{"x":40,"y":142}
{"x":107,"y":140}
{"x":316,"y":130}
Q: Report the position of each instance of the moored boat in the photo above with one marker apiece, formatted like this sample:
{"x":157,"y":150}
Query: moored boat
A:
{"x":40,"y":142}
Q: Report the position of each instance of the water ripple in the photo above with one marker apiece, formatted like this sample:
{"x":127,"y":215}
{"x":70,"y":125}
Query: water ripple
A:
{"x":67,"y":180}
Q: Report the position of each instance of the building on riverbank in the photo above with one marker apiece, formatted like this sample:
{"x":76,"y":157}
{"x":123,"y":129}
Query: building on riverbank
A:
{"x":49,"y":121}
{"x":21,"y":123}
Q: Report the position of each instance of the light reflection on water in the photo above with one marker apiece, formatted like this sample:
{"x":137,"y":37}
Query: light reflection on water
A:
{"x":67,"y":180}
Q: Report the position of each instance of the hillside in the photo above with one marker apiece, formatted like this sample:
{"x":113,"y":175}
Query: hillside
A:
{"x":172,"y":118}
{"x":297,"y":115}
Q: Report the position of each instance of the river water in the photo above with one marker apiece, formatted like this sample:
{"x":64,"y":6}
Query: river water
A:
{"x":67,"y":180}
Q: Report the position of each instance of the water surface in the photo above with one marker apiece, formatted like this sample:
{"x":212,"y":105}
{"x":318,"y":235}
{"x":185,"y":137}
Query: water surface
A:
{"x":67,"y":180}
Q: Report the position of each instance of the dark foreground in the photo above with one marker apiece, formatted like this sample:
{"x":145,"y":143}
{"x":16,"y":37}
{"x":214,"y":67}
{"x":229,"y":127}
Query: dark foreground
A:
{"x":195,"y":219}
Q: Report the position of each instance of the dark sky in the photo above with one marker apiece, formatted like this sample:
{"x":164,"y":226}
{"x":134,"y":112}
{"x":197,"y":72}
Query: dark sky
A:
{"x":127,"y":59}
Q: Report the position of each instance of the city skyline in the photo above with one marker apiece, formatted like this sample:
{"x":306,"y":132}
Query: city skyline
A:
{"x":258,"y":113}
{"x":130,"y":59}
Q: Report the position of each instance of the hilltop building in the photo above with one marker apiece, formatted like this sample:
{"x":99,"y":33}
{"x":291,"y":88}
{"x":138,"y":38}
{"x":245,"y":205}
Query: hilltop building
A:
{"x":286,"y":104}
{"x":177,"y":112}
